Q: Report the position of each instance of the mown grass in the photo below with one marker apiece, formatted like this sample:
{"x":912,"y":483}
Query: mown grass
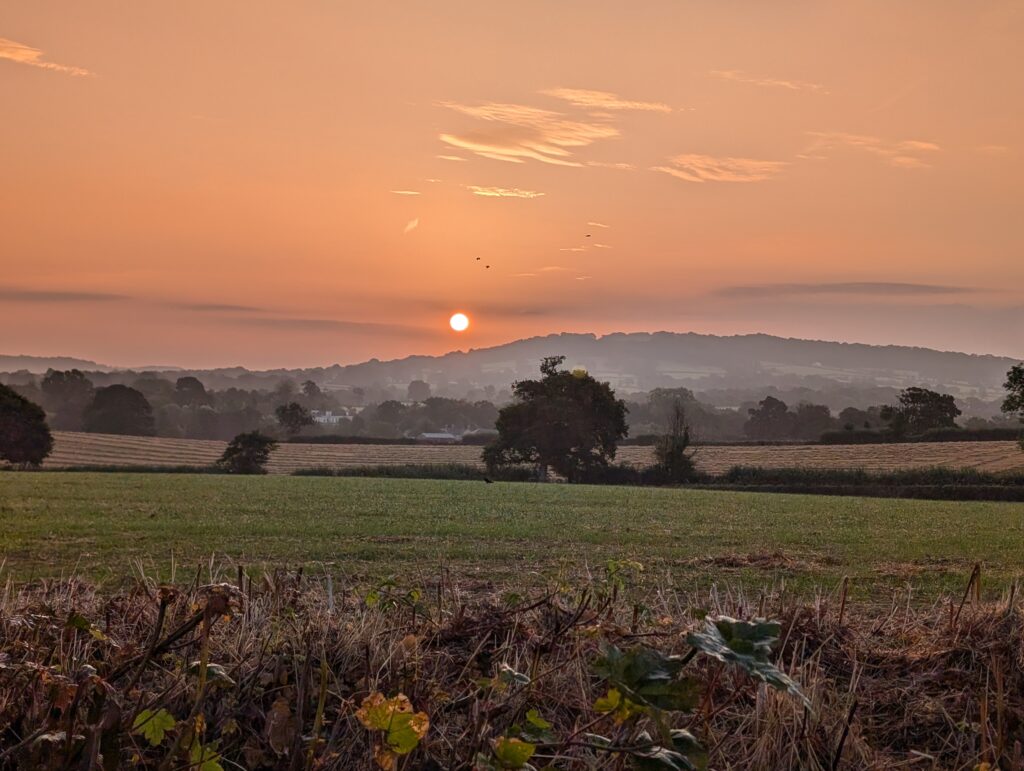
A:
{"x":55,"y":523}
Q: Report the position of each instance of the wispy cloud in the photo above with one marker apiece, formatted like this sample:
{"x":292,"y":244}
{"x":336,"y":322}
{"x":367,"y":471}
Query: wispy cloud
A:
{"x":340,"y":325}
{"x":907,"y":154}
{"x":992,"y":149}
{"x":411,"y":225}
{"x":406,"y":192}
{"x":611,"y":165}
{"x":451,"y":158}
{"x":12,"y":294}
{"x":602,"y":100}
{"x":707,"y":168}
{"x":602,"y":246}
{"x":856,"y":288}
{"x":598,"y":225}
{"x":503,"y":192}
{"x":217,"y":307}
{"x":554,"y":269}
{"x":516,"y":133}
{"x":33,"y":57}
{"x":573,"y":249}
{"x":792,"y":85}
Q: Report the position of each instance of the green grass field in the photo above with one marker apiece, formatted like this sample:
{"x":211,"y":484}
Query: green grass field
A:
{"x":55,"y":523}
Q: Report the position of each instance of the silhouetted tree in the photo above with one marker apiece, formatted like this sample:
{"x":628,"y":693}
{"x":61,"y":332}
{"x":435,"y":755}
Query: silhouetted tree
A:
{"x":810,"y":421}
{"x":66,"y":394}
{"x":671,"y":448}
{"x":118,"y":409}
{"x":1013,"y":404}
{"x":247,"y":454}
{"x":567,"y":421}
{"x":293,"y":417}
{"x":920,"y":410}
{"x":311,"y":390}
{"x":771,"y":420}
{"x":418,"y":391}
{"x":190,"y":392}
{"x":25,"y":439}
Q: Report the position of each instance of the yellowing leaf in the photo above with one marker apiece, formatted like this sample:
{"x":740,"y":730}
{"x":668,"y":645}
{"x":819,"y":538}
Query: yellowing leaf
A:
{"x":406,"y":730}
{"x":512,"y":753}
{"x":609,"y":702}
{"x":377,"y":710}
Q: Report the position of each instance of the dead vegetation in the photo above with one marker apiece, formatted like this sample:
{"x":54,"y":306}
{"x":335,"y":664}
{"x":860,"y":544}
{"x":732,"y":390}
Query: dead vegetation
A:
{"x":293,"y":672}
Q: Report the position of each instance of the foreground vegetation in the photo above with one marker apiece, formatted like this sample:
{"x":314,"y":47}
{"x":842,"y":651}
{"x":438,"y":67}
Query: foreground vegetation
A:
{"x":293,"y":671}
{"x":98,"y":524}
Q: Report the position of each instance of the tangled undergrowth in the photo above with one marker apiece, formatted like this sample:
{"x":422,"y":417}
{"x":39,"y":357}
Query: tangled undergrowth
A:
{"x":291,"y":672}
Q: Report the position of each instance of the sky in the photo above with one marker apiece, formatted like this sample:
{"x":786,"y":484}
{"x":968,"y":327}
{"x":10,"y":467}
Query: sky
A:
{"x":294,"y":184}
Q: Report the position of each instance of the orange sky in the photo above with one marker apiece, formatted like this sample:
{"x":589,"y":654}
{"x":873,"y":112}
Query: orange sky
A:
{"x":283,"y":184}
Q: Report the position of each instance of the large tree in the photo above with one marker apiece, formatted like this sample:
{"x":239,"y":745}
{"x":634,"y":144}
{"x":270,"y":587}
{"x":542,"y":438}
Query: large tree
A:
{"x":771,"y":420}
{"x":1013,"y":404}
{"x":920,"y":410}
{"x":293,"y":417}
{"x":118,"y":409}
{"x":567,"y":421}
{"x":190,"y":392}
{"x":66,"y":394}
{"x":25,"y":439}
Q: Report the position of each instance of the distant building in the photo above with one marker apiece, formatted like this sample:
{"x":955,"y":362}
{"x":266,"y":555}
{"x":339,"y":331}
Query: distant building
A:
{"x":327,"y":418}
{"x":439,"y":437}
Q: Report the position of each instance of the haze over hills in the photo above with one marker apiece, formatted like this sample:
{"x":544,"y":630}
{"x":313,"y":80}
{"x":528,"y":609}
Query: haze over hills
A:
{"x":636,"y":362}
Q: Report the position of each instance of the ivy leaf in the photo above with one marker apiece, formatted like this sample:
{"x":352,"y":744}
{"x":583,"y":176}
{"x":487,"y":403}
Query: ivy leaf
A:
{"x":403,"y":728}
{"x":512,"y":753}
{"x":215,"y":673}
{"x":648,"y":677}
{"x":746,"y":645}
{"x":685,"y":754}
{"x":152,"y":726}
{"x":537,"y":729}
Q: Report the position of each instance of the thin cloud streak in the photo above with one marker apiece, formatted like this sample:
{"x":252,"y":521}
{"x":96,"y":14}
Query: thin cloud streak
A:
{"x":602,"y":100}
{"x":792,"y":85}
{"x":33,"y":57}
{"x":411,"y":225}
{"x":503,"y":192}
{"x":12,"y":294}
{"x":406,"y":192}
{"x":341,"y":325}
{"x":707,"y":168}
{"x":870,"y":288}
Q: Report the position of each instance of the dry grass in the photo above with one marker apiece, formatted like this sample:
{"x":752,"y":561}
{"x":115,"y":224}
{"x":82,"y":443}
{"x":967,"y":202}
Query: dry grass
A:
{"x":890,"y":687}
{"x":77,"y":449}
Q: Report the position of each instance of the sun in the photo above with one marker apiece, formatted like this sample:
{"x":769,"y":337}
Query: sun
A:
{"x":459,"y":322}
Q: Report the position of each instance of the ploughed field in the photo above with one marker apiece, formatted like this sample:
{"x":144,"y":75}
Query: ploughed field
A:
{"x":106,"y":525}
{"x":79,"y":449}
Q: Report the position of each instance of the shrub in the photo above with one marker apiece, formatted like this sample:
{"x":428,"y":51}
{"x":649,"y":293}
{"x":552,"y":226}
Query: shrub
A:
{"x":247,"y":454}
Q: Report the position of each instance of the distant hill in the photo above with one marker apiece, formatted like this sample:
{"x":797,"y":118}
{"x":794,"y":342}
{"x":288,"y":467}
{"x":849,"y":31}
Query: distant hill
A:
{"x":39,"y":364}
{"x":639,"y":362}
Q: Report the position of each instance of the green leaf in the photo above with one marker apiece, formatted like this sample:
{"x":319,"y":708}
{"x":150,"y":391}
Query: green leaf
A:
{"x":205,"y":758}
{"x":746,"y":645}
{"x":648,"y":677}
{"x":152,"y":726}
{"x":533,"y":718}
{"x":80,"y":622}
{"x":512,"y":753}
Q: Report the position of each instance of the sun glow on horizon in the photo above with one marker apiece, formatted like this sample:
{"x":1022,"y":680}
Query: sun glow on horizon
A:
{"x":459,"y":322}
